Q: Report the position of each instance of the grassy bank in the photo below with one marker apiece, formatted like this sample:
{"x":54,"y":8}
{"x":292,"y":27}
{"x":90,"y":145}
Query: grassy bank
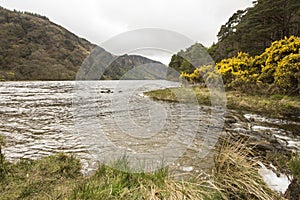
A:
{"x":271,"y":105}
{"x":235,"y":176}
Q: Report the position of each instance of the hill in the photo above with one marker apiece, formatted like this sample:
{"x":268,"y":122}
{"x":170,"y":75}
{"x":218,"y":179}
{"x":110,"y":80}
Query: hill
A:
{"x":101,"y":64}
{"x":187,"y":60}
{"x":145,"y":68}
{"x":34,"y":48}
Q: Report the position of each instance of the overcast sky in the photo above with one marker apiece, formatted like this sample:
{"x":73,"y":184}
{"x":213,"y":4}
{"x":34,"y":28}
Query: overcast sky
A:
{"x":99,"y":20}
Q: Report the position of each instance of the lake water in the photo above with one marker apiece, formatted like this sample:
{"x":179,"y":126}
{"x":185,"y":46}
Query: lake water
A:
{"x":100,"y":121}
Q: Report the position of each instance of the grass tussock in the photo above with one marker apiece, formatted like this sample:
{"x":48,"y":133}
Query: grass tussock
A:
{"x":182,"y":94}
{"x":110,"y":183}
{"x":49,"y":178}
{"x":236,"y":173}
{"x":3,"y":168}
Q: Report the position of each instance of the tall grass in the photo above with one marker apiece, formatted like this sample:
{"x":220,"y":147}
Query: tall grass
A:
{"x":236,"y":173}
{"x":235,"y":176}
{"x":48,"y":178}
{"x":110,"y":183}
{"x":3,"y":169}
{"x":294,"y":165}
{"x":293,"y":191}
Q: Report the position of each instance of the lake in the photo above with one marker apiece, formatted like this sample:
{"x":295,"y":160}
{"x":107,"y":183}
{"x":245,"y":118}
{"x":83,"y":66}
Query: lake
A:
{"x":101,"y":121}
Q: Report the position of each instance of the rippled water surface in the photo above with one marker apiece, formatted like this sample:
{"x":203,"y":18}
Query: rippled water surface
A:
{"x":37,"y":120}
{"x":42,"y":118}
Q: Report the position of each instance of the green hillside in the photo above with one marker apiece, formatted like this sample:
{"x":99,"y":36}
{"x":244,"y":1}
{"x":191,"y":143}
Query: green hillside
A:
{"x":34,"y":48}
{"x":187,"y":60}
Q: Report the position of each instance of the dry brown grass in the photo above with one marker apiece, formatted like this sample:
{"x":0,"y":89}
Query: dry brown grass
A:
{"x":236,"y":173}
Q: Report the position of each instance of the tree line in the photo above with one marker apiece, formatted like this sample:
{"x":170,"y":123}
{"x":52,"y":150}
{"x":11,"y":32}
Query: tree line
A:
{"x":254,"y":29}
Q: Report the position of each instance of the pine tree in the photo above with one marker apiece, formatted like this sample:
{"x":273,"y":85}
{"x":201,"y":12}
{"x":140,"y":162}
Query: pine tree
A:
{"x":254,"y":29}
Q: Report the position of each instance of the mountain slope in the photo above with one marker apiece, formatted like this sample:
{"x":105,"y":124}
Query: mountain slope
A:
{"x":34,"y":48}
{"x":101,"y":64}
{"x":145,"y":68}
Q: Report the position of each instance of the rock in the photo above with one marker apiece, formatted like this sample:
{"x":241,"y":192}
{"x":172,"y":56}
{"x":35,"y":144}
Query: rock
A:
{"x":106,"y":91}
{"x":293,"y":191}
{"x":187,"y":169}
{"x":276,"y":181}
{"x":263,"y":146}
{"x":276,"y":144}
{"x":230,"y":119}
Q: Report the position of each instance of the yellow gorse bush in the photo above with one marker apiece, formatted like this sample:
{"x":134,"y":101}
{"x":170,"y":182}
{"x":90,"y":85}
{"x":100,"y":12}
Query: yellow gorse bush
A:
{"x":278,"y":67}
{"x":287,"y":74}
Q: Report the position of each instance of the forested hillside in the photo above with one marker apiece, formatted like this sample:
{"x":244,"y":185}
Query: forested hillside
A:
{"x":186,"y":61}
{"x":34,"y":48}
{"x":254,"y":29}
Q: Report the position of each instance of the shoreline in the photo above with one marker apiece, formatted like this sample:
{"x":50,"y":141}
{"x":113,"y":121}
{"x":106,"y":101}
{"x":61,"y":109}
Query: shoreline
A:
{"x":277,"y":105}
{"x":58,"y":177}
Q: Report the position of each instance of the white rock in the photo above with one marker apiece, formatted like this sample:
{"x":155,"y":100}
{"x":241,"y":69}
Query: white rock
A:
{"x":187,"y":169}
{"x":278,"y":184}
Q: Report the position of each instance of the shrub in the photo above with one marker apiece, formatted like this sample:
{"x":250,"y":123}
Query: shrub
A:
{"x":287,"y":74}
{"x":277,"y":70}
{"x":275,"y":54}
